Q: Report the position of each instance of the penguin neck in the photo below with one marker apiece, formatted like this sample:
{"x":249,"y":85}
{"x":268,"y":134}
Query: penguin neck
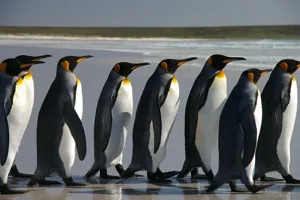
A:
{"x":62,"y":74}
{"x":162,"y":72}
{"x":209,"y":72}
{"x":116,"y":76}
{"x":246,"y":83}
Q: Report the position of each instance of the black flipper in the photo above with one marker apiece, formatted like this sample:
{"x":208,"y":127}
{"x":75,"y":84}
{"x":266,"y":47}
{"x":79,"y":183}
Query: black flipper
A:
{"x":157,"y":116}
{"x":103,"y":121}
{"x":248,"y":125}
{"x":76,"y":128}
{"x":4,"y":136}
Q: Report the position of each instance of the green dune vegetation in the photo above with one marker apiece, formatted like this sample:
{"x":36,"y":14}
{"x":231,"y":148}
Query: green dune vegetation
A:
{"x":236,"y":32}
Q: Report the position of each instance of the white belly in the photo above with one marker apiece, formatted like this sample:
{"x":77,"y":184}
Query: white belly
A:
{"x":258,"y":120}
{"x":67,"y":145}
{"x":17,"y":127}
{"x":288,"y":122}
{"x":168,"y":113}
{"x":208,"y":120}
{"x":30,"y":94}
{"x":121,"y":117}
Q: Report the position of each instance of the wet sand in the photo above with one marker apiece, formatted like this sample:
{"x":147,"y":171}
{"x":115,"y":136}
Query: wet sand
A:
{"x":93,"y":74}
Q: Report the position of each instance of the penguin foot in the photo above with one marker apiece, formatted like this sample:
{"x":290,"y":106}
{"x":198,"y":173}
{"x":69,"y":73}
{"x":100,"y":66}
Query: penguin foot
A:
{"x":269,"y":179}
{"x":4,"y":189}
{"x":152,"y":178}
{"x":47,"y":182}
{"x":165,"y":175}
{"x":15,"y":173}
{"x":70,"y":182}
{"x":256,"y":188}
{"x":104,"y":175}
{"x":213,"y":186}
{"x":195,"y":175}
{"x":92,"y":172}
{"x":289,"y":179}
{"x":234,"y":188}
{"x":109,"y":177}
{"x":138,"y":176}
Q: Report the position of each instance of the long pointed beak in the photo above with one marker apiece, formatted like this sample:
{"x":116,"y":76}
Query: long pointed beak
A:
{"x":30,"y":63}
{"x":263,"y":72}
{"x":181,"y":62}
{"x":37,"y":58}
{"x":82,"y":58}
{"x":231,"y":59}
{"x":137,"y":65}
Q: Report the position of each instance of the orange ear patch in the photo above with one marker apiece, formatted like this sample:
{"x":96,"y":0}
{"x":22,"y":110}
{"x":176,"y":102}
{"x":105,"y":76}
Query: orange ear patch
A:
{"x":117,"y":68}
{"x":66,"y":65}
{"x":164,"y":65}
{"x":3,"y":67}
{"x":209,"y":61}
{"x":251,"y":76}
{"x":284,"y":66}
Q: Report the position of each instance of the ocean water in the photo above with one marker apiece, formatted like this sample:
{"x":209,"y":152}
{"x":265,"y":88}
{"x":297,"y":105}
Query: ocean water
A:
{"x":93,"y":74}
{"x":259,"y":53}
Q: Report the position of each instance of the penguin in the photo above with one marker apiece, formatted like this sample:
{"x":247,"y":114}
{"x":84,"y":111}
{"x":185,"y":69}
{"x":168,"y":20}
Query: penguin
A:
{"x":113,"y":116}
{"x":14,"y":100}
{"x":239,"y":126}
{"x":202,"y":112}
{"x":27,"y":77}
{"x":59,"y":126}
{"x":155,"y":115}
{"x":279,"y":101}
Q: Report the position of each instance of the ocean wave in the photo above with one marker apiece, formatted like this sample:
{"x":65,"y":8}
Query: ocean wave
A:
{"x":49,"y":37}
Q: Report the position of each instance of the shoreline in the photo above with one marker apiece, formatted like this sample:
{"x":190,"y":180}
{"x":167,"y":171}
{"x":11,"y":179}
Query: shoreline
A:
{"x":290,"y":32}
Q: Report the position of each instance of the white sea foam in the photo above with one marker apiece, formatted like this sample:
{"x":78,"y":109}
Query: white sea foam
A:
{"x":259,"y":53}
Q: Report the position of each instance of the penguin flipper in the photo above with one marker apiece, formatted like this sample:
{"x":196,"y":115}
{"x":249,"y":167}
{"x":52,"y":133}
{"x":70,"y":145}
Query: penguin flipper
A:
{"x":4,"y":136}
{"x":285,"y":97}
{"x":248,"y":125}
{"x":157,"y":124}
{"x":76,"y":128}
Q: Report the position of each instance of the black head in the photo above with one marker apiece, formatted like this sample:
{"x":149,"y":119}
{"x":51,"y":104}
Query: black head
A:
{"x":289,"y":65}
{"x":125,"y":68}
{"x":25,"y":59}
{"x":69,"y":63}
{"x":218,"y":61}
{"x":171,"y":65}
{"x":13,"y":68}
{"x":254,"y":74}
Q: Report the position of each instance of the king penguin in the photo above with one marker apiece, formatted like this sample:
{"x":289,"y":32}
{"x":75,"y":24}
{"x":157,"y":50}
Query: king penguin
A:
{"x":14,"y":100}
{"x":28,"y":80}
{"x":59,"y":126}
{"x":155,"y":115}
{"x":279,"y":101}
{"x":113,"y":116}
{"x":239,"y":127}
{"x":202,"y":112}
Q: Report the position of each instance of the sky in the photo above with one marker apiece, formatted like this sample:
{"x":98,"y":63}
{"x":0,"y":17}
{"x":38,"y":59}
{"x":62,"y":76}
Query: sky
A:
{"x":143,"y":13}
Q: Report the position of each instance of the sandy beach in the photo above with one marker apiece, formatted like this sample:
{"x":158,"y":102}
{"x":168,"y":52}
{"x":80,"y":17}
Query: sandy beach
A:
{"x":93,"y":74}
